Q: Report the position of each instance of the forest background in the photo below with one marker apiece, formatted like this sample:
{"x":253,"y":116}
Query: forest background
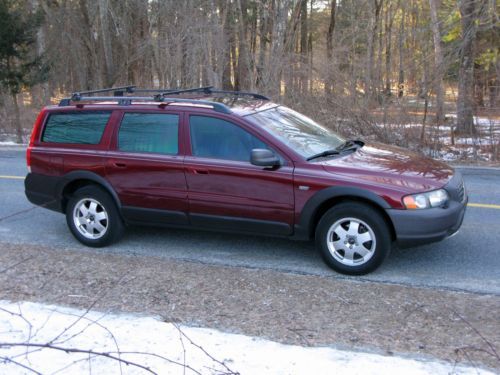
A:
{"x":423,"y":74}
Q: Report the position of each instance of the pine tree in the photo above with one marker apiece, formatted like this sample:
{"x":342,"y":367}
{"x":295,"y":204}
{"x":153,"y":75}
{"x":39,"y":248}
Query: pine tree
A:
{"x":20,"y":67}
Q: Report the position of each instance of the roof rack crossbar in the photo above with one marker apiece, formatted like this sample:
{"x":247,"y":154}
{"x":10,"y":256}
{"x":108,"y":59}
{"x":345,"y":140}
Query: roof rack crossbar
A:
{"x":205,"y":89}
{"x":242,"y":93}
{"x":210,"y":90}
{"x":219,"y":107}
{"x":172,"y":91}
{"x":117,"y":91}
{"x":127,"y":100}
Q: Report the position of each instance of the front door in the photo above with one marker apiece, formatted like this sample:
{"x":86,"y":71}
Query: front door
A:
{"x":225,"y":190}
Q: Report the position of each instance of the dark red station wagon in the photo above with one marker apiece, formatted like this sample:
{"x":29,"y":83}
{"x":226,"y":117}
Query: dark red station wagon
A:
{"x":234,"y":161}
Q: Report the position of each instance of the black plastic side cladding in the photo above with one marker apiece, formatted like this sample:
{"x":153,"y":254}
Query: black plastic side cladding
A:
{"x":304,"y":229}
{"x":85,"y":175}
{"x":47,"y":191}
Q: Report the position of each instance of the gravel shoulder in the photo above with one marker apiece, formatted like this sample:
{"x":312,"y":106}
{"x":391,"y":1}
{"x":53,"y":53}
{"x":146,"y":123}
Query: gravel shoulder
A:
{"x":306,"y":310}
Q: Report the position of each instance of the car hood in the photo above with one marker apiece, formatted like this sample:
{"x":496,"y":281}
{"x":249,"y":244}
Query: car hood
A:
{"x":381,"y":164}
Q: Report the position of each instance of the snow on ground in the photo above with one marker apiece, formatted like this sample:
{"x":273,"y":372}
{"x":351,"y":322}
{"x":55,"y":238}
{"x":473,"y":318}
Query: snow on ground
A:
{"x":479,"y":120}
{"x":166,"y":342}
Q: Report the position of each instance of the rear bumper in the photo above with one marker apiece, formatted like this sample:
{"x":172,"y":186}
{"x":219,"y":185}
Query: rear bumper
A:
{"x":40,"y":190}
{"x":419,"y":227}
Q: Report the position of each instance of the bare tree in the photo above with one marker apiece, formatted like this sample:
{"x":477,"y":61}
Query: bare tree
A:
{"x":244,"y":79}
{"x":465,"y":120}
{"x":106,"y":42}
{"x":329,"y":48}
{"x":227,"y":61}
{"x":340,"y":56}
{"x":374,"y":20}
{"x":401,"y":39}
{"x":438,"y":62}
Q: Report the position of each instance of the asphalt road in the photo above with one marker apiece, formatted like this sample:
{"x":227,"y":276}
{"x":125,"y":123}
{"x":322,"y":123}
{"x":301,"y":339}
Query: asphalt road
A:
{"x":469,"y":261}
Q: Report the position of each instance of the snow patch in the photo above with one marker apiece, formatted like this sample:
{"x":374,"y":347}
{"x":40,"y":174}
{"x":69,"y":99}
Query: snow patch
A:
{"x":101,"y":332}
{"x":479,"y":120}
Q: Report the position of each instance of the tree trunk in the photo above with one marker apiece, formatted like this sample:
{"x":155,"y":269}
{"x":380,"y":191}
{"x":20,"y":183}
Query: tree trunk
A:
{"x":424,"y":93}
{"x":106,"y":43}
{"x":372,"y":34}
{"x":289,"y":48}
{"x":438,"y":63}
{"x":465,"y":120}
{"x":92,"y":65}
{"x":493,"y":91}
{"x":244,"y":80}
{"x":227,"y":83}
{"x":263,"y":42}
{"x":17,"y":119}
{"x":388,"y":45}
{"x":303,"y":46}
{"x":412,"y":75}
{"x":40,"y":95}
{"x":329,"y":49}
{"x":401,"y":75}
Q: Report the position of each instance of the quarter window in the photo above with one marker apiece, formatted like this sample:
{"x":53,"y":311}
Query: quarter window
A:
{"x":76,"y":127}
{"x":219,"y":139}
{"x":155,"y":133}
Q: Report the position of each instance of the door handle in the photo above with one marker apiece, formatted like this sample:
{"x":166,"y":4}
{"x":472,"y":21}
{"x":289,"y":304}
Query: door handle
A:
{"x":120,"y":165}
{"x":199,"y":171}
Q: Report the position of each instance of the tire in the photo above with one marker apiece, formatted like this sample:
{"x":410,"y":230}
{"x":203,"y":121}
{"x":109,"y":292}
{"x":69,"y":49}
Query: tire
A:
{"x":93,"y":218}
{"x":353,"y":238}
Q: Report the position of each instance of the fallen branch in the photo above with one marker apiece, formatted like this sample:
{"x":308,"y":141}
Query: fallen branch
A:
{"x":76,"y":350}
{"x":488,"y":343}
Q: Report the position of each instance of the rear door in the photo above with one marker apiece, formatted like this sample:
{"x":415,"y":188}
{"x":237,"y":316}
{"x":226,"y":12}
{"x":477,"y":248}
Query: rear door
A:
{"x":225,"y":190}
{"x":145,"y":167}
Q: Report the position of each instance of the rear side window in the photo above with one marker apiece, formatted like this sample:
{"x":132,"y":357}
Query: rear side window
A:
{"x":76,"y":127}
{"x":149,"y":132}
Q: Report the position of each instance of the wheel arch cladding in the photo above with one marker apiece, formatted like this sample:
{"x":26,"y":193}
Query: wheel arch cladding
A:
{"x":78,"y":179}
{"x":325,"y":199}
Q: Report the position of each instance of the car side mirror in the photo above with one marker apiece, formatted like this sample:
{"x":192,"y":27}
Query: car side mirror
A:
{"x":264,"y":158}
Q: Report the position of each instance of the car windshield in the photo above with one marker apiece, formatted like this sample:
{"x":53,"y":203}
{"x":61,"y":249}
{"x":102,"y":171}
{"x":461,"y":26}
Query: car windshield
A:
{"x":297,"y":131}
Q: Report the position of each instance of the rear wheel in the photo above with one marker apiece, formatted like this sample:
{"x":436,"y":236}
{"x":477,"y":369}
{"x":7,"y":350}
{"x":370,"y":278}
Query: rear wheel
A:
{"x":353,"y":238}
{"x":93,"y":218}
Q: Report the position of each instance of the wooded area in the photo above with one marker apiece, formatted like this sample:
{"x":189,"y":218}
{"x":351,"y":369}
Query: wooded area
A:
{"x":401,"y":71}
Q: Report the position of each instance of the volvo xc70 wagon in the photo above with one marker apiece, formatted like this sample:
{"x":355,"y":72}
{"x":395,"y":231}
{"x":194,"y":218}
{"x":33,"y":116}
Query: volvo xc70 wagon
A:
{"x":236,"y":162}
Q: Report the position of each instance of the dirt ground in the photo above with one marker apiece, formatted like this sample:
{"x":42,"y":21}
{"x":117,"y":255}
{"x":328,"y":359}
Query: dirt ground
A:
{"x":294,"y":309}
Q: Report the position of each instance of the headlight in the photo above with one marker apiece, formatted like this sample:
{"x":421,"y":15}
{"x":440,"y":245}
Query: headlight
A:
{"x":436,"y":198}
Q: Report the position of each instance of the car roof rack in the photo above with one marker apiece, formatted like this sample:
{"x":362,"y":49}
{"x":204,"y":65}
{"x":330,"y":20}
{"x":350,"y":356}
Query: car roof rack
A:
{"x":127,"y":100}
{"x":162,"y":96}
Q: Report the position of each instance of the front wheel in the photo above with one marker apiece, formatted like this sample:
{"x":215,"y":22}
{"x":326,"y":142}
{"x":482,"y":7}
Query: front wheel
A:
{"x":353,"y":238}
{"x":93,"y":218}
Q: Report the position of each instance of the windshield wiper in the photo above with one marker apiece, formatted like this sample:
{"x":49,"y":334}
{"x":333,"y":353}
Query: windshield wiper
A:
{"x":322,"y":154}
{"x":350,"y":144}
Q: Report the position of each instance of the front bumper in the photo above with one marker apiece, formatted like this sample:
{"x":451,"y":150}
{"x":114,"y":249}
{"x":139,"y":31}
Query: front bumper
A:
{"x":419,"y":227}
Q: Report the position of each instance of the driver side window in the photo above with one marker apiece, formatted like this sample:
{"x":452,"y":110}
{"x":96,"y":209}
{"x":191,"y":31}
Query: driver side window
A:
{"x":219,"y":139}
